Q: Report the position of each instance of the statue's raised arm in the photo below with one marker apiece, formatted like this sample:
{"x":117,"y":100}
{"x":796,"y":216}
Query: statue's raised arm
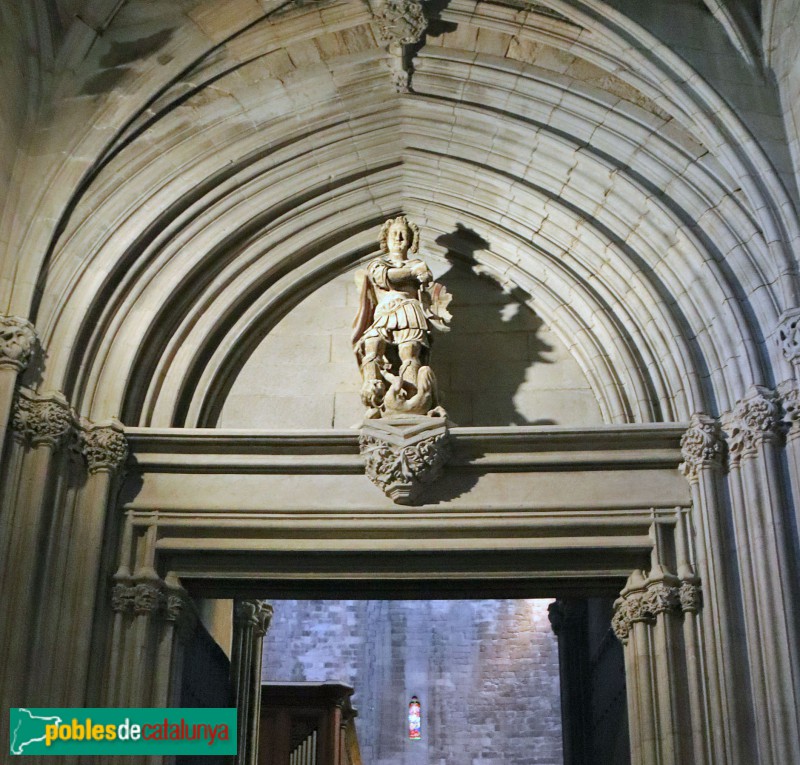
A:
{"x":400,"y":304}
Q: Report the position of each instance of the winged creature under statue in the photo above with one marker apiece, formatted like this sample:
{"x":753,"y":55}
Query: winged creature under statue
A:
{"x":399,"y":306}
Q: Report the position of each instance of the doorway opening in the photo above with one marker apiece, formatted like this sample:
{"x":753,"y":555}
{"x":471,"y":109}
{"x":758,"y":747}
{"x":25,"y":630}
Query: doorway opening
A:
{"x":511,"y":681}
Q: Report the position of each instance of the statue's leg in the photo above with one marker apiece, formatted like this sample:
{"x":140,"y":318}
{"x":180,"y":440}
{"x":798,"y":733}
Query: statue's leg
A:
{"x":373,"y":387}
{"x":374,"y":349}
{"x":409,"y":357}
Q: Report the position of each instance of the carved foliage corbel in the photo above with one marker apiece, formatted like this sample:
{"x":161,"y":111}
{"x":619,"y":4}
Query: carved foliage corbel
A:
{"x":403,"y":457}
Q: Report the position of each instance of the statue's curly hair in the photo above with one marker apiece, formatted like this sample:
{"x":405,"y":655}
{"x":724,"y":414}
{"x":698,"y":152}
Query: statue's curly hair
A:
{"x":412,"y":227}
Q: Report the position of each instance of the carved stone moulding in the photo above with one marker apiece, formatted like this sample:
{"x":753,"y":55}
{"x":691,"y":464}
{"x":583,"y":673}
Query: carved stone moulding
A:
{"x":404,"y":454}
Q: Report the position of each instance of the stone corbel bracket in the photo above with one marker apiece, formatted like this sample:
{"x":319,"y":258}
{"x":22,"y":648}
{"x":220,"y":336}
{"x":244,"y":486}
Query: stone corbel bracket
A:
{"x":404,"y":454}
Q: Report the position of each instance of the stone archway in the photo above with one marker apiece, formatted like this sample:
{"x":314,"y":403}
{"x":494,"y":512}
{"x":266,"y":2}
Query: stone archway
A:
{"x":182,"y":177}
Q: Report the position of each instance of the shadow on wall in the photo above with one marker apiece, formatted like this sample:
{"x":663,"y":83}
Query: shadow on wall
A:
{"x":493,"y":341}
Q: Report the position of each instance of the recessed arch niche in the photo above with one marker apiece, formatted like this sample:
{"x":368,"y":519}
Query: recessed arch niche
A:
{"x":499,"y":365}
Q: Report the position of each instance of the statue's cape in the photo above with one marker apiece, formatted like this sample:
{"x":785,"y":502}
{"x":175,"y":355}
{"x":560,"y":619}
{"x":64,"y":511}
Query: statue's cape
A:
{"x":366,"y":310}
{"x":435,"y":299}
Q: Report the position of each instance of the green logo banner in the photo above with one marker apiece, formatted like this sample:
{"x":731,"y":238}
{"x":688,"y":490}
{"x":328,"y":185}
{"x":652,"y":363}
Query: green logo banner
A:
{"x":122,"y":731}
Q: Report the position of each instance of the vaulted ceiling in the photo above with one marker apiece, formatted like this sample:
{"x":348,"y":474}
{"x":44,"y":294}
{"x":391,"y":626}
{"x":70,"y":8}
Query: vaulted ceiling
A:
{"x":189,"y":170}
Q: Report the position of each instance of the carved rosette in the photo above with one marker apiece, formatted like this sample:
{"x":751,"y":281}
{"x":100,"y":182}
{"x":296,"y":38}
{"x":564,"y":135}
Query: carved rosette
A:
{"x":105,"y":447}
{"x":754,"y":420}
{"x":42,"y":419}
{"x":400,"y":22}
{"x":402,"y":459}
{"x":702,"y":446}
{"x":17,"y":342}
{"x":643,"y":600}
{"x":253,"y":614}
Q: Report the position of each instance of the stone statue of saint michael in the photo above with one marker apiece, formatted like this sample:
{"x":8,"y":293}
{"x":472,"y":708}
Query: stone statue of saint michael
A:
{"x":399,"y":306}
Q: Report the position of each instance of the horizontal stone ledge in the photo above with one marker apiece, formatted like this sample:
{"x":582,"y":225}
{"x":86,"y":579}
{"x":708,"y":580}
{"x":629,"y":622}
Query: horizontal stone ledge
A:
{"x":413,"y":544}
{"x":501,"y":448}
{"x":454,"y":521}
{"x":448,"y":574}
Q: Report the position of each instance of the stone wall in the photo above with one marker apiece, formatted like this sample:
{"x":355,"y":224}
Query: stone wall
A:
{"x":486,"y":673}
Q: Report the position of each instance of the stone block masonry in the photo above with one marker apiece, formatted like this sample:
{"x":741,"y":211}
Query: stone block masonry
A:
{"x":485,"y":671}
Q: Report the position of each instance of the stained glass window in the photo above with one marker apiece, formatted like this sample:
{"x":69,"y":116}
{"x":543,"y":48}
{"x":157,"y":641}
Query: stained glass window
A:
{"x":414,"y":719}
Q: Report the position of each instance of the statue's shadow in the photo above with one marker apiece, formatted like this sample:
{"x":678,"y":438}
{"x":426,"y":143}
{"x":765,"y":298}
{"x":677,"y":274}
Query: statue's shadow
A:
{"x":493,"y":342}
{"x":483,"y":361}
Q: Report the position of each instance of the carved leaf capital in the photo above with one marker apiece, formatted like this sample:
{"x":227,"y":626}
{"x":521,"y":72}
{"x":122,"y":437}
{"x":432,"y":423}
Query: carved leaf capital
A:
{"x":754,"y":420}
{"x":253,"y":614}
{"x":690,"y":598}
{"x":17,"y":342}
{"x":702,"y":446}
{"x":147,"y":598}
{"x":105,"y":447}
{"x":42,"y":419}
{"x":154,"y":597}
{"x":658,"y":596}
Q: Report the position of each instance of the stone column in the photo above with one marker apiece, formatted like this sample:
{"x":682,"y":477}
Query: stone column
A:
{"x":568,"y":620}
{"x":105,"y":448}
{"x":712,"y":629}
{"x":648,"y":621}
{"x":767,"y":572}
{"x":41,"y":424}
{"x":152,"y":619}
{"x":251,"y":620}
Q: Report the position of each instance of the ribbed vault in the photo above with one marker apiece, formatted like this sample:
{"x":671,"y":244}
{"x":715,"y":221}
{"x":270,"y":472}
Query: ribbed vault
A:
{"x":220,"y":169}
